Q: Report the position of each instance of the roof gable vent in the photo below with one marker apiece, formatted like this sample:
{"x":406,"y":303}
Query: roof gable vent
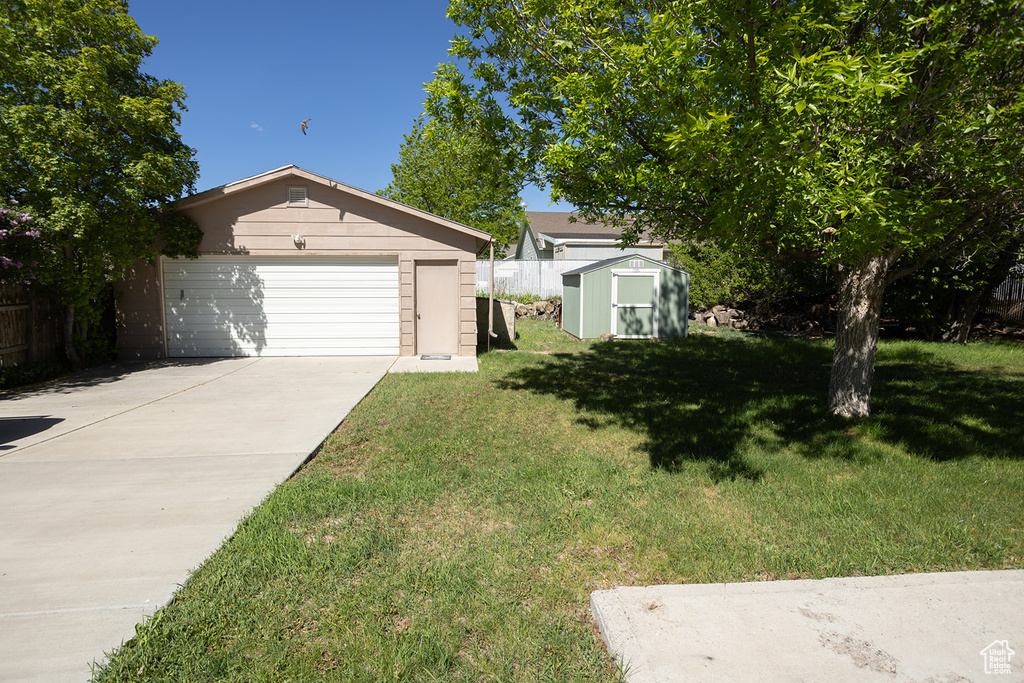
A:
{"x":297,"y":196}
{"x":636,"y":263}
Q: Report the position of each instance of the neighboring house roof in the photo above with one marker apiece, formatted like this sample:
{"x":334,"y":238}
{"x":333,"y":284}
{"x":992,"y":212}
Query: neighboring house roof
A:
{"x":292,"y":170}
{"x":549,"y":228}
{"x":557,"y":224}
{"x":618,"y":259}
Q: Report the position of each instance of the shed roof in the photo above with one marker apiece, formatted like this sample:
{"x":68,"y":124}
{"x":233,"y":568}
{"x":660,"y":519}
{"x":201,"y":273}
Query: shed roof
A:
{"x":597,"y":265}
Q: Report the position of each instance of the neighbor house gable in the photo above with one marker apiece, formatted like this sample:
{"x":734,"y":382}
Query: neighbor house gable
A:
{"x":526,"y":245}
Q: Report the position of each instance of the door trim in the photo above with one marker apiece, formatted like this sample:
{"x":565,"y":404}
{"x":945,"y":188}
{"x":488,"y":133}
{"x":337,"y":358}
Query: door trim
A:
{"x":454,"y":303}
{"x":616,"y":274}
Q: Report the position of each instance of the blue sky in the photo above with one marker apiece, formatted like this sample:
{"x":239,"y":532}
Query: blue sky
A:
{"x":254,"y":70}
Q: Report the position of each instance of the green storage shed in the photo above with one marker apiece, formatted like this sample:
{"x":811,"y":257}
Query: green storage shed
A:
{"x":629,"y":296}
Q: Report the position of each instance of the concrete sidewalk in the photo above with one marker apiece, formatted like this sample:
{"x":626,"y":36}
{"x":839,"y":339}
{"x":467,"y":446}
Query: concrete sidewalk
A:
{"x":441,"y":363}
{"x":916,"y":627}
{"x":116,"y":483}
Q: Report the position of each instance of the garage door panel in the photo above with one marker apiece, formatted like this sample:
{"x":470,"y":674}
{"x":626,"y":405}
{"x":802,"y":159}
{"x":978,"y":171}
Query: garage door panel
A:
{"x":206,"y":339}
{"x":208,"y":296}
{"x":286,"y":307}
{"x":239,"y":306}
{"x":297,"y":330}
{"x":287,"y":283}
{"x":334,"y":343}
{"x":197,"y":322}
{"x":351,"y":347}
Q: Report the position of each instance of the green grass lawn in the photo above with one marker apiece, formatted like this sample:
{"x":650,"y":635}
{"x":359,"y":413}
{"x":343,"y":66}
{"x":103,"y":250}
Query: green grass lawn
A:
{"x":454,"y":526}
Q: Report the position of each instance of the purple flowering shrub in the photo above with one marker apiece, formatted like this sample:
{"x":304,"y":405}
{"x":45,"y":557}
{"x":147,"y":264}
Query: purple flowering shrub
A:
{"x":19,"y":237}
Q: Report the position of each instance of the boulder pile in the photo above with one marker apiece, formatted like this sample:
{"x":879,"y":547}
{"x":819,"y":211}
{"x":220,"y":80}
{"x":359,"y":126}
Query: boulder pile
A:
{"x":814,"y":322}
{"x":985,"y":326}
{"x":542,"y":310}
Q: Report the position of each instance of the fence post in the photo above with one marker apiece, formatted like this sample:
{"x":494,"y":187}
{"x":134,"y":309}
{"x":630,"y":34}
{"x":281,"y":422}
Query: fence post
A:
{"x":30,"y":331}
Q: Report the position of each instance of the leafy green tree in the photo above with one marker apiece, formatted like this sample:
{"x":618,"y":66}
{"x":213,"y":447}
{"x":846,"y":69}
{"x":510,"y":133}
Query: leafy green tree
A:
{"x":942,"y":298}
{"x":90,"y":142}
{"x":718,"y":276}
{"x":741,"y":274}
{"x":444,"y":169}
{"x":872,"y":135}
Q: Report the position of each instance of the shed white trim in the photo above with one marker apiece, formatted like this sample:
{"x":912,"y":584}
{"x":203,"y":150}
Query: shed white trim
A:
{"x":617,"y":305}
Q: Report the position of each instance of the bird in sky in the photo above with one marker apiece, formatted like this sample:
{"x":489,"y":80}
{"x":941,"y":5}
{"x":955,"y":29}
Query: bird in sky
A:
{"x":304,"y":127}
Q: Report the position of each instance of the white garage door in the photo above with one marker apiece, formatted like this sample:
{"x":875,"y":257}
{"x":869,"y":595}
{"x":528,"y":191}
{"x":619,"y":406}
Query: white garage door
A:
{"x":287,"y":306}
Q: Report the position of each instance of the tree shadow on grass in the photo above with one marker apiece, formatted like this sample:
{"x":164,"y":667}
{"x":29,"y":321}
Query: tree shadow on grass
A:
{"x":938,"y":410}
{"x":694,"y":399}
{"x":718,"y":400}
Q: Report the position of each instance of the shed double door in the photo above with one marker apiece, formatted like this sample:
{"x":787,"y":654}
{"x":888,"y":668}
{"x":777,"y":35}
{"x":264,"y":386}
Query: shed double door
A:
{"x":635,"y":303}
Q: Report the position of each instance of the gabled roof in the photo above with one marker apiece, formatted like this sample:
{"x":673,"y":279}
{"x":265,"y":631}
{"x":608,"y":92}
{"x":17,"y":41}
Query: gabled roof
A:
{"x":557,"y":224}
{"x":293,"y":171}
{"x":556,"y":227}
{"x":597,"y":265}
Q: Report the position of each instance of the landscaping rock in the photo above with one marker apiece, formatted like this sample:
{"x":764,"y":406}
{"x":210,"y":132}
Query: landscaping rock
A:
{"x":542,"y":310}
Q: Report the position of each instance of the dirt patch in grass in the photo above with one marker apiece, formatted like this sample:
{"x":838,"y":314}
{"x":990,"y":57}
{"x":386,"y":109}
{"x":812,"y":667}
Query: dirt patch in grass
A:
{"x":324,"y":531}
{"x":349,"y":467}
{"x":446,"y":527}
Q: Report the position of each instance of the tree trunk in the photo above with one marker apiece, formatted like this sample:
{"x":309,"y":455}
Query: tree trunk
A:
{"x":861,"y":287}
{"x":69,"y":336}
{"x":967,"y":305}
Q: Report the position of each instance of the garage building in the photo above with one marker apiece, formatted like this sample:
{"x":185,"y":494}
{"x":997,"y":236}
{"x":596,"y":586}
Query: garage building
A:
{"x":296,"y":264}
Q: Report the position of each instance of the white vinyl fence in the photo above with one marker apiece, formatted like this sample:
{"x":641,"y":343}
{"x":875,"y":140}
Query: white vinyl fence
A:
{"x":1007,"y":300}
{"x":539,"y":278}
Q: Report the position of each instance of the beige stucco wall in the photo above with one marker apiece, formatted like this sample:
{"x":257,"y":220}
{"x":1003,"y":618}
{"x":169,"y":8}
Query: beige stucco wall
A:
{"x":258,"y":222}
{"x":139,"y":307}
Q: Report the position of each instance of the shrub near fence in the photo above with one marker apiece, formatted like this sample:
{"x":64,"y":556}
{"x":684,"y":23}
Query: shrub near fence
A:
{"x":539,"y":278}
{"x":30,"y":327}
{"x":1008,"y":298}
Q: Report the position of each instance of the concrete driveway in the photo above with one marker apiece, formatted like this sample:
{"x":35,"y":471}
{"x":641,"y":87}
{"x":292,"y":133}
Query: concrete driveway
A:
{"x":116,"y":483}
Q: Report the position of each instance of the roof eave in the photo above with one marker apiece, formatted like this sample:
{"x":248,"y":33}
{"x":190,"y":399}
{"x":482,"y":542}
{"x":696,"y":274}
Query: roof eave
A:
{"x":292,"y":170}
{"x":618,"y":259}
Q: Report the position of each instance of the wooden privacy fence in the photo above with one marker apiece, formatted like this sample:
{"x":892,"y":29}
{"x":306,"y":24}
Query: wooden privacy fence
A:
{"x":1008,"y":298}
{"x":539,"y":278}
{"x":30,"y":327}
